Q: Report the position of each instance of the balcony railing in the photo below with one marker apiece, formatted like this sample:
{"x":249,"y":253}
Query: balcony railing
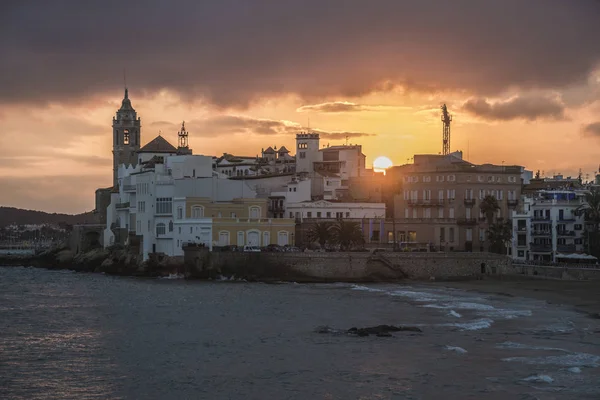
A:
{"x":566,"y":219}
{"x":426,"y":203}
{"x":470,"y":202}
{"x":122,"y":205}
{"x":129,"y":188}
{"x":466,"y":221}
{"x":566,"y":233}
{"x":512,"y":203}
{"x":540,"y":218}
{"x":541,"y":248}
{"x":276,"y":208}
{"x":565,"y":248}
{"x":541,"y":233}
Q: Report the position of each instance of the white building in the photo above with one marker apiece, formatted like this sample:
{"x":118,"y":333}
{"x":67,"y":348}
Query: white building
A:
{"x":329,"y":210}
{"x":548,"y":227}
{"x":295,"y":191}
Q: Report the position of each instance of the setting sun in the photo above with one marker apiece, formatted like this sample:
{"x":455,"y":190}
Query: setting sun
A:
{"x":382,"y":163}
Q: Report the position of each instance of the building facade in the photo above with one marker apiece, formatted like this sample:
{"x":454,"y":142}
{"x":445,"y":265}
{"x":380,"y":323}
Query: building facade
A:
{"x":440,"y":200}
{"x":126,"y":136}
{"x":548,"y":227}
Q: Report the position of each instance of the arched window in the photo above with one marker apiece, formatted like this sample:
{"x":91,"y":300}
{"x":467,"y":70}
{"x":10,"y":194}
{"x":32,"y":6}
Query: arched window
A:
{"x":161,"y":229}
{"x":266,"y":238}
{"x":197,"y":212}
{"x":254,"y":212}
{"x":245,"y":172}
{"x":126,"y":136}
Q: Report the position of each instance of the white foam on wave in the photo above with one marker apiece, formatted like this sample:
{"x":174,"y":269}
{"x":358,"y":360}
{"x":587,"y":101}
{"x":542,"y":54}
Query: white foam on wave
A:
{"x":474,"y":325}
{"x":506,"y":314}
{"x":569,"y":360}
{"x":575,"y":370}
{"x":173,"y":276}
{"x":461,"y":305}
{"x":453,"y":313}
{"x":539,"y":378}
{"x":365,"y":288}
{"x":413,"y":295}
{"x":456,"y":349}
{"x":515,"y":345}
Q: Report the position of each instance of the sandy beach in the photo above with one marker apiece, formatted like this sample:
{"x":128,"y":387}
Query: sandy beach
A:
{"x":583,"y":296}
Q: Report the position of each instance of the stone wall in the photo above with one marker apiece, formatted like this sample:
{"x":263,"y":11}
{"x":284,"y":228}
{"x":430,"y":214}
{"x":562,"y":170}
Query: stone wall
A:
{"x":548,"y":272}
{"x":350,"y":266}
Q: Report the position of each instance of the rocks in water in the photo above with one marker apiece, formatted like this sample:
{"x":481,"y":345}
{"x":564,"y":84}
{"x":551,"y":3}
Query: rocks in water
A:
{"x":382,"y":330}
{"x":379,"y":330}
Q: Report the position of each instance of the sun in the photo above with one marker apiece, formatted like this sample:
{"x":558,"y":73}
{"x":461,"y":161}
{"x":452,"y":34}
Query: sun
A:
{"x":382,"y":163}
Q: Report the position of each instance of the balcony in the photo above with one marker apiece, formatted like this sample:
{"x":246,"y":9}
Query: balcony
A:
{"x":541,"y":233}
{"x":566,"y":233}
{"x":273,"y":208}
{"x":565,"y":248}
{"x":466,"y":221}
{"x":129,"y":188}
{"x":469,"y":202}
{"x":541,"y":248}
{"x":566,"y":219}
{"x":426,"y":203}
{"x":121,"y":206}
{"x":512,"y":203}
{"x":540,"y":218}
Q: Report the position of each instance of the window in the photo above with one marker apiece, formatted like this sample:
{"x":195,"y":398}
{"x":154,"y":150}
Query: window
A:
{"x":451,"y":213}
{"x":328,"y":214}
{"x":578,"y":241}
{"x":161,"y":229}
{"x":197,"y":212}
{"x":318,"y":214}
{"x":126,"y":136}
{"x":233,"y":215}
{"x":149,"y":226}
{"x":415,"y":213}
{"x":468,"y":178}
{"x":191,"y":230}
{"x":427,"y":213}
{"x":500,"y":194}
{"x":179,"y":212}
{"x":139,"y":227}
{"x":266,"y":238}
{"x":240,"y":238}
{"x":440,"y":213}
{"x":164,"y":205}
{"x":427,"y":195}
{"x":481,"y":194}
{"x":255,"y":212}
{"x":469,"y":194}
{"x":224,"y":238}
{"x":451,"y":194}
{"x":406,"y":195}
{"x":302,"y":154}
{"x":347,"y":214}
{"x":427,"y":179}
{"x":451,"y":178}
{"x":512,"y":179}
{"x":469,"y":234}
{"x":282,"y":238}
{"x":440,"y":195}
{"x":468,"y":213}
{"x":521,"y":253}
{"x":406,"y":213}
{"x":578,"y":227}
{"x":480,"y":178}
{"x":451,"y":235}
{"x":179,"y":230}
{"x":141,"y":207}
{"x":170,"y":226}
{"x":375,"y":236}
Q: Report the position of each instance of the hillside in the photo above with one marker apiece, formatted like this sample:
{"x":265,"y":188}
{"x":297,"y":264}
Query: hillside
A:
{"x":11,"y":215}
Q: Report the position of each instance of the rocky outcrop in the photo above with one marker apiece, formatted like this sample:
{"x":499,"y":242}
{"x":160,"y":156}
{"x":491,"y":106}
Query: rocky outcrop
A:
{"x":379,"y":330}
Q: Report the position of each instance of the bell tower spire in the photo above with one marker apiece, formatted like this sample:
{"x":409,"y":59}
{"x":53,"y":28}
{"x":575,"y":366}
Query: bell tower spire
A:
{"x":182,"y":141}
{"x":126,"y":136}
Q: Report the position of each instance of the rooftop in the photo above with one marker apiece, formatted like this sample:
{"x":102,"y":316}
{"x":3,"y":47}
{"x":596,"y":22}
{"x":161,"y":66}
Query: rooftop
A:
{"x":158,"y":145}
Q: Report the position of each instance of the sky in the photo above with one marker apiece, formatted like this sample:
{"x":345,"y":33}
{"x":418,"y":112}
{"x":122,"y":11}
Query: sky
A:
{"x":521,"y":79}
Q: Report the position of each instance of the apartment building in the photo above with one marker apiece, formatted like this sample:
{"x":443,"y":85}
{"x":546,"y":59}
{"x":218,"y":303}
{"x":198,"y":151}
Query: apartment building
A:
{"x":548,"y":226}
{"x":439,"y":200}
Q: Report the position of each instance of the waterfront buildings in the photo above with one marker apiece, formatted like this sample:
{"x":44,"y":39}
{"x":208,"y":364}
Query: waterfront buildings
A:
{"x":548,"y":227}
{"x":439,"y":202}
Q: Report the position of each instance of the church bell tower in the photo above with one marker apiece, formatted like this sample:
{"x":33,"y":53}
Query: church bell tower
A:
{"x":126,"y":137}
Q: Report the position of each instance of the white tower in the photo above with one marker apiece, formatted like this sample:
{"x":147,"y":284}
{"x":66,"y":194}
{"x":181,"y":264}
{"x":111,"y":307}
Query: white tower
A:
{"x":307,"y":151}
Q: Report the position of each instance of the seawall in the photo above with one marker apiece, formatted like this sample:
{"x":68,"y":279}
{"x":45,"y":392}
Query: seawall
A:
{"x":348,"y":266}
{"x":553,"y":272}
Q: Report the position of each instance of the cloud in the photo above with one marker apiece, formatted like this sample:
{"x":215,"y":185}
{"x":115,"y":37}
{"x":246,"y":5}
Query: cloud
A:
{"x":592,"y":129}
{"x":344,"y":106}
{"x":526,"y":108}
{"x":229,"y":54}
{"x":227,"y":125}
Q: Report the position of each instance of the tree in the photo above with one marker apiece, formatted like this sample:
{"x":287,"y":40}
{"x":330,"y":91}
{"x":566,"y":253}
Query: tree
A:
{"x":347,"y":234}
{"x":489,"y":206}
{"x":499,"y":235}
{"x":320,"y":232}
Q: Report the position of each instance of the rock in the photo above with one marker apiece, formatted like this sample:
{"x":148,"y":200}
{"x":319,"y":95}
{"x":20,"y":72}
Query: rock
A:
{"x":65,"y":256}
{"x":382,"y":330}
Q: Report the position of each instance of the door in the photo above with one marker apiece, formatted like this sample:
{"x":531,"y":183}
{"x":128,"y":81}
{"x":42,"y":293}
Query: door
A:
{"x":282,"y":238}
{"x":253,"y":239}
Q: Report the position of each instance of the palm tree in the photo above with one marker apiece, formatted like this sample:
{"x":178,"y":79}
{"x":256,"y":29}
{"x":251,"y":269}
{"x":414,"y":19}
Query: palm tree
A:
{"x":320,"y":232}
{"x":499,"y":235}
{"x":489,"y":206}
{"x":347,"y":234}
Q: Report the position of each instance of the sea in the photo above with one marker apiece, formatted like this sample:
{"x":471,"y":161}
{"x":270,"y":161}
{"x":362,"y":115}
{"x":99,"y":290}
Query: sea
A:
{"x":66,"y":335}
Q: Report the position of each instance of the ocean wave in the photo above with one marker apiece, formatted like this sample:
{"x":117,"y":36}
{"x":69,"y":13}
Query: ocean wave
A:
{"x":475,"y":325}
{"x":365,"y":288}
{"x":539,"y":378}
{"x":569,"y":360}
{"x":456,"y":349}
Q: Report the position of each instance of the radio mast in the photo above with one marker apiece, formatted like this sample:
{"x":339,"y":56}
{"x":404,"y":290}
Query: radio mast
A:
{"x":446,"y":119}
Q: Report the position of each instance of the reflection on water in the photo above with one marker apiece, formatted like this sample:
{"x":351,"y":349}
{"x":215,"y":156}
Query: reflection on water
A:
{"x":87,"y":336}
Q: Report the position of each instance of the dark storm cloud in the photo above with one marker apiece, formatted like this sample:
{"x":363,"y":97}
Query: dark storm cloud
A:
{"x":592,"y":129}
{"x":227,"y":125}
{"x":526,"y":108}
{"x":232,"y":52}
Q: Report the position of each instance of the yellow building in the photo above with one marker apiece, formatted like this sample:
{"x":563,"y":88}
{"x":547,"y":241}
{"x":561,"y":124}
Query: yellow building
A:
{"x":241,"y":222}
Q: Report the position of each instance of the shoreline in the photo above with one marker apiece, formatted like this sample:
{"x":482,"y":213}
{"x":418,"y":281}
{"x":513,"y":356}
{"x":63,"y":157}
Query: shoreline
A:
{"x":581,"y":296}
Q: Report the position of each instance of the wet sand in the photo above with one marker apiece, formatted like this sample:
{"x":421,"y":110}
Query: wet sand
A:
{"x":583,"y":296}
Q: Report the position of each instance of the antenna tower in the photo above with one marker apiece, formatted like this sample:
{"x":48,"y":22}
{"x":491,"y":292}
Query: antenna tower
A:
{"x":446,"y":119}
